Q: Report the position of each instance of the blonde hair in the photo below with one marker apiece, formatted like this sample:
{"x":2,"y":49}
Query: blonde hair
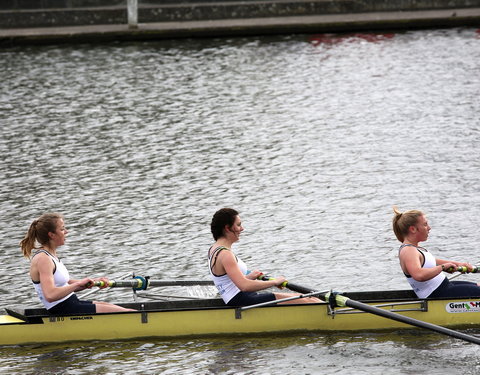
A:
{"x":38,"y":232}
{"x":402,"y":221}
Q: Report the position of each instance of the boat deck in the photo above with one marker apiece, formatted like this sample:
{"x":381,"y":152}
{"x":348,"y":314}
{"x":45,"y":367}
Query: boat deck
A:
{"x":35,"y":314}
{"x":211,"y":317}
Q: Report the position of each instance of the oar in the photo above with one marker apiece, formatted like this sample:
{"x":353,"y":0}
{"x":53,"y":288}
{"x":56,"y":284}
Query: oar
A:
{"x":96,"y":290}
{"x":345,"y":301}
{"x":142,"y":283}
{"x":289,"y":285}
{"x":463,"y":270}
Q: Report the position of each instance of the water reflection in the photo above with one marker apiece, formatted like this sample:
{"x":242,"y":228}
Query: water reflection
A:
{"x":300,"y":353}
{"x":331,"y":39}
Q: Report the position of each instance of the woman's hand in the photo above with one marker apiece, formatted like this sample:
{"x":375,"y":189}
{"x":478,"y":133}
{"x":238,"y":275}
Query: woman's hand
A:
{"x":465,"y":264}
{"x":82,"y":284}
{"x":449,"y":267}
{"x":279,"y":281}
{"x":254,"y":275}
{"x":104,"y":281}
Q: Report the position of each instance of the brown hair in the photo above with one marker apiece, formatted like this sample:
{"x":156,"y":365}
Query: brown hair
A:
{"x":38,"y":232}
{"x":402,"y":221}
{"x":224,"y":216}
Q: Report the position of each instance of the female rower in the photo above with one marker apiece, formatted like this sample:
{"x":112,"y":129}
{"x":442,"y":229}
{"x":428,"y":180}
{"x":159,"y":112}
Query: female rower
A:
{"x":50,"y":277}
{"x":422,"y":269}
{"x":237,"y":287}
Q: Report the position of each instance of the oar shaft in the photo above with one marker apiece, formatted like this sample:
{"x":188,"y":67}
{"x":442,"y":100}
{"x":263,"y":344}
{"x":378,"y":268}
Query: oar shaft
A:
{"x":135,"y":283}
{"x":298,"y":288}
{"x":96,"y":290}
{"x":117,"y":283}
{"x":391,"y":315}
{"x":411,"y":321}
{"x":289,"y":285}
{"x":179,"y":282}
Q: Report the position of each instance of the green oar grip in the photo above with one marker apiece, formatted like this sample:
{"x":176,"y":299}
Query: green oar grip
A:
{"x":101,"y":284}
{"x":463,"y":269}
{"x":266,"y":278}
{"x":137,"y":283}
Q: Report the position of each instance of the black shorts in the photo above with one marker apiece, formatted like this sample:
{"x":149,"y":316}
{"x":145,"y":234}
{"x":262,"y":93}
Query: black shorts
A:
{"x":250,"y":298}
{"x":72,"y":305}
{"x":456,"y":289}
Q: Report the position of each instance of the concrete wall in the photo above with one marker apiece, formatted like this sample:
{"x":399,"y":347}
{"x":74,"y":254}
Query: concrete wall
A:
{"x":386,"y":4}
{"x":47,"y":4}
{"x":55,"y":13}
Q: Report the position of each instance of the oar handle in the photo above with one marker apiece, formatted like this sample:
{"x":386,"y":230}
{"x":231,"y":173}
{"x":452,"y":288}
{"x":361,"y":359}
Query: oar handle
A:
{"x":137,"y":283}
{"x":101,"y":284}
{"x":464,"y":269}
{"x":267,"y":278}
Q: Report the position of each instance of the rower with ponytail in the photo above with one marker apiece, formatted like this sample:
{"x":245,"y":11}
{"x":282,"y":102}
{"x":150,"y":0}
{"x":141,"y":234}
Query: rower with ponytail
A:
{"x":37,"y":233}
{"x":423,"y":271}
{"x":49,"y":275}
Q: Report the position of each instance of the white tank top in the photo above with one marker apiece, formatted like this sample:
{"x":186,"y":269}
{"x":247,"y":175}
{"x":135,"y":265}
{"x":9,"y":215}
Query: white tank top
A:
{"x":60,"y":277}
{"x":226,"y":287}
{"x":424,"y":288}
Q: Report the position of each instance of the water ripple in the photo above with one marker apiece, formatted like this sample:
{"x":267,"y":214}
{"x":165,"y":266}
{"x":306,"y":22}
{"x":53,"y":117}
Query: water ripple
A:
{"x":312,"y":138}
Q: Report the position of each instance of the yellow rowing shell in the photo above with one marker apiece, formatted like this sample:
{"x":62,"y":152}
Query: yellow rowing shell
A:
{"x":196,"y":318}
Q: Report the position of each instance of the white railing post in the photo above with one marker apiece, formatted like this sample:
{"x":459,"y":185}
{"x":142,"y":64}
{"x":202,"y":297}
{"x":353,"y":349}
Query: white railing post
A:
{"x":132,"y":10}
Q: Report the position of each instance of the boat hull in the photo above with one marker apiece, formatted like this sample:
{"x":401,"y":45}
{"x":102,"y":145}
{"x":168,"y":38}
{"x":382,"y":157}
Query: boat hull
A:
{"x":211,"y":317}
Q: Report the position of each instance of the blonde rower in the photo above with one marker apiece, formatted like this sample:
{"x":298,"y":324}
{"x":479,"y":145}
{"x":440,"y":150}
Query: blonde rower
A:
{"x":423,"y":271}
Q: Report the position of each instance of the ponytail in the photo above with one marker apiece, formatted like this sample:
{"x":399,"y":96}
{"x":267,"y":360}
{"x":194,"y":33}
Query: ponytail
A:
{"x":402,"y":221}
{"x":28,"y":243}
{"x":38,"y":232}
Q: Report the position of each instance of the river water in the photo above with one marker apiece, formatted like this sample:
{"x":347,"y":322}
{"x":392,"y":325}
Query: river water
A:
{"x":312,"y":138}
